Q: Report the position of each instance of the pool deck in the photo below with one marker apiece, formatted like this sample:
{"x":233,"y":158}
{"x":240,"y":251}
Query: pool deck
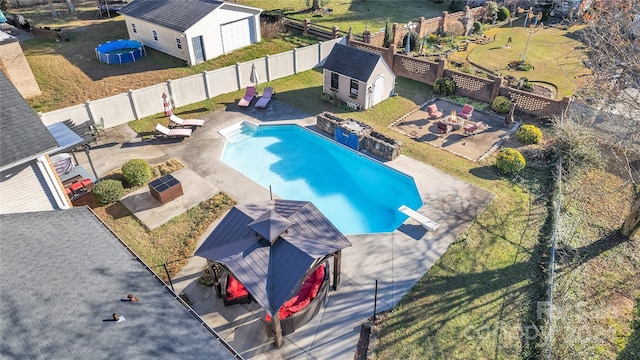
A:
{"x":397,"y":260}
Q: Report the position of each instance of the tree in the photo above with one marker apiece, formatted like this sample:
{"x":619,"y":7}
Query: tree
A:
{"x":4,"y":5}
{"x":612,"y":37}
{"x":387,"y":35}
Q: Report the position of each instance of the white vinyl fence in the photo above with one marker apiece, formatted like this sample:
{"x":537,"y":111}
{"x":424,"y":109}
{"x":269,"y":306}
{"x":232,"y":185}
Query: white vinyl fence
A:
{"x":136,"y":104}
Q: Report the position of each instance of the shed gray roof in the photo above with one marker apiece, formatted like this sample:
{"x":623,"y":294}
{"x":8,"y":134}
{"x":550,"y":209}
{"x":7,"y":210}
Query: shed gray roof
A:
{"x":352,"y":62}
{"x":174,"y":14}
{"x":271,"y":273}
{"x":22,"y":133}
{"x":64,"y":274}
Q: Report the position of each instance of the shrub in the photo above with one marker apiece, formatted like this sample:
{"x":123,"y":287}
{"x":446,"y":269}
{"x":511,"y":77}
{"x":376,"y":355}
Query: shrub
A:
{"x":529,"y":134}
{"x":432,"y":39}
{"x":524,"y":84}
{"x":503,"y":13}
{"x":444,"y":86}
{"x":501,"y":105}
{"x":108,"y":191}
{"x":136,"y":172}
{"x":510,"y":161}
{"x":457,"y":5}
{"x":526,"y":66}
{"x":477,"y":27}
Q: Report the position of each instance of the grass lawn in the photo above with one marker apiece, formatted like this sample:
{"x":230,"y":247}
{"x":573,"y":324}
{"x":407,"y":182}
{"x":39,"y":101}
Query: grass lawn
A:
{"x":357,"y":14}
{"x":554,"y":53}
{"x":172,"y":243}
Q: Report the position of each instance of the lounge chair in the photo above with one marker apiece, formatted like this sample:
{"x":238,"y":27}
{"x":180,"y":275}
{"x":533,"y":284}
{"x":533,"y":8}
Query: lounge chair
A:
{"x":423,"y":220}
{"x":265,"y":98}
{"x":434,"y":113}
{"x":472,"y":129}
{"x":185,"y":122}
{"x":249,"y":94}
{"x":165,"y":132}
{"x":466,"y":112}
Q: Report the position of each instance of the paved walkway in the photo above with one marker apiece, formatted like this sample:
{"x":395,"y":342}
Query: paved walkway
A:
{"x":397,"y":260}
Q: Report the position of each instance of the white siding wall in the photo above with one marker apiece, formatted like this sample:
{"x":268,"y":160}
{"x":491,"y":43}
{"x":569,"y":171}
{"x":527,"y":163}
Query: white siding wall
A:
{"x":209,"y":29}
{"x":166,"y":42}
{"x":25,"y":190}
{"x":389,"y":78}
{"x":344,"y":85}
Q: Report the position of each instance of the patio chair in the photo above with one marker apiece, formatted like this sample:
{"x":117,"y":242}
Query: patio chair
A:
{"x":193,"y":123}
{"x":473,"y":128}
{"x":444,"y":127}
{"x":249,"y":94}
{"x":466,"y":112}
{"x":265,"y":98}
{"x":165,"y":132}
{"x":434,"y":113}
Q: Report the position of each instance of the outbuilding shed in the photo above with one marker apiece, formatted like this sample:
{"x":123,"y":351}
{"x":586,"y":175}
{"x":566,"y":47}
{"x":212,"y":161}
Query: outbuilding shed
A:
{"x":194,"y":30}
{"x":357,"y":77}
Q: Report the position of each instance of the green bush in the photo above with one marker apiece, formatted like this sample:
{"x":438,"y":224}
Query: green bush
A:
{"x":503,"y":13}
{"x":432,"y":39}
{"x":501,"y":105}
{"x":136,"y":172}
{"x":457,"y":5}
{"x":444,"y":86}
{"x":510,"y":161}
{"x":108,"y":191}
{"x":529,"y":134}
{"x":477,"y":27}
{"x":526,"y":66}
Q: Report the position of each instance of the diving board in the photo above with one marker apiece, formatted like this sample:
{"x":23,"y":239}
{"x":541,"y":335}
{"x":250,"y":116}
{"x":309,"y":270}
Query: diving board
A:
{"x":423,"y":220}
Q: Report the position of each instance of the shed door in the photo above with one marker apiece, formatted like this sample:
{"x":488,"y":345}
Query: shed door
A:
{"x":378,"y":90}
{"x":198,"y":50}
{"x":237,"y":34}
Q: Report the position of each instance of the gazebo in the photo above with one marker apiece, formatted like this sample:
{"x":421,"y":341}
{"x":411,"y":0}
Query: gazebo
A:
{"x":271,"y":247}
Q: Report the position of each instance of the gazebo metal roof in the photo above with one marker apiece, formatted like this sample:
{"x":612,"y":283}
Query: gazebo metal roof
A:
{"x":270,"y":246}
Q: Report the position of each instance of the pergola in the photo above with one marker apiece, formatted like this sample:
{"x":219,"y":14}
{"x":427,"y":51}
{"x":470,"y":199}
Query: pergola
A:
{"x":271,"y":247}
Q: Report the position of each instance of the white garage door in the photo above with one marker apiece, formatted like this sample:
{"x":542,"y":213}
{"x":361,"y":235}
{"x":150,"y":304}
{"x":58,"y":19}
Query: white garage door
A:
{"x":236,"y":35}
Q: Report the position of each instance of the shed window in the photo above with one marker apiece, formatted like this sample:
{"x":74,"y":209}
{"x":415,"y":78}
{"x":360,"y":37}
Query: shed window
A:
{"x":354,"y":88}
{"x":133,"y":28}
{"x":334,"y":81}
{"x":178,"y":43}
{"x":155,"y":35}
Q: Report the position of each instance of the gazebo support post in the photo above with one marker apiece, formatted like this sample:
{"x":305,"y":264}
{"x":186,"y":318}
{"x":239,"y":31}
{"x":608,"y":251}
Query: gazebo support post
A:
{"x":337,"y":256}
{"x":216,"y":279}
{"x":277,"y":328}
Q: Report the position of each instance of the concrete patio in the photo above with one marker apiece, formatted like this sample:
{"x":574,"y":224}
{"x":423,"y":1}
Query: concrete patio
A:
{"x":397,"y":259}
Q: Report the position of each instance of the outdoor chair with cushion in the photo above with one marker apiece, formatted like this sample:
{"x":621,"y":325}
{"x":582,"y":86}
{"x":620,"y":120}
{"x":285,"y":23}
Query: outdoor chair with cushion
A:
{"x":164,"y":132}
{"x":444,"y":127}
{"x":434,"y":113}
{"x":473,"y":128}
{"x":265,"y":98}
{"x":235,"y":292}
{"x":193,"y":123}
{"x":249,"y":94}
{"x":466,"y":112}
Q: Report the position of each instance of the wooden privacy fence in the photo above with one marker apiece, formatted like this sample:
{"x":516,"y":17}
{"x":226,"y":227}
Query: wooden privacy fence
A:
{"x":137,"y":104}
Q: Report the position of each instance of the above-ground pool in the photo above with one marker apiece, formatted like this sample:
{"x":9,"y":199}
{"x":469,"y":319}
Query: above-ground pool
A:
{"x":120,"y":51}
{"x":356,"y":193}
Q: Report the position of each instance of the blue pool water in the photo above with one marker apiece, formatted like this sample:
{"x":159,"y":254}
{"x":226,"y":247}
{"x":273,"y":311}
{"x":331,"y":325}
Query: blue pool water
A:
{"x":357,"y":194}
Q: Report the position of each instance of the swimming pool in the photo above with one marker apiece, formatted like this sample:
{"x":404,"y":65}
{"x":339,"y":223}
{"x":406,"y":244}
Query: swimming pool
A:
{"x":357,"y":194}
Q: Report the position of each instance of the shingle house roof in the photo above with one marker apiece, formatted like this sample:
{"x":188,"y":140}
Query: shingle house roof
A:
{"x":352,"y":62}
{"x":22,"y":133}
{"x":174,"y":14}
{"x":64,"y":275}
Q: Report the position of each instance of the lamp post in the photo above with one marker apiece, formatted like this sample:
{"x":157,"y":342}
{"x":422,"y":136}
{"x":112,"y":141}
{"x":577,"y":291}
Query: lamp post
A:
{"x":533,"y":28}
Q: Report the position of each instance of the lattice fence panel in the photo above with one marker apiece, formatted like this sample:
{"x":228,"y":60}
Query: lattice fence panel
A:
{"x":468,"y":83}
{"x":529,"y":103}
{"x":416,"y":67}
{"x":368,"y":49}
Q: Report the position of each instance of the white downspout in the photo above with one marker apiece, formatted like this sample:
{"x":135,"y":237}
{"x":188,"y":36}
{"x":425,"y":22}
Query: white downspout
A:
{"x":50,"y":178}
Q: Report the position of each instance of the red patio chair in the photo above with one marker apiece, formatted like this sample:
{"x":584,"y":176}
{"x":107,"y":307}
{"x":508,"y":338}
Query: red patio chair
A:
{"x":434,"y":113}
{"x":466,"y":112}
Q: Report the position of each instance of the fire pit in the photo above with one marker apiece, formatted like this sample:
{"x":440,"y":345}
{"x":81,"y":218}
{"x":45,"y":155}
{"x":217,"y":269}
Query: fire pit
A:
{"x":455,"y":121}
